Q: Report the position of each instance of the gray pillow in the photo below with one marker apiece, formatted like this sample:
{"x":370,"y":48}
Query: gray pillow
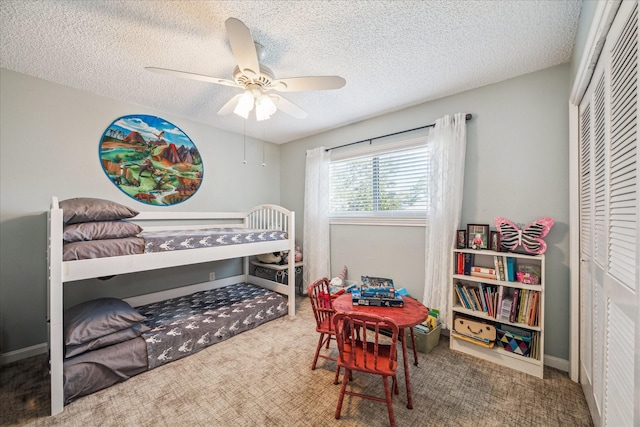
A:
{"x":102,"y":248}
{"x":100,"y":230}
{"x":114,"y":338}
{"x":86,"y":209}
{"x":94,"y":319}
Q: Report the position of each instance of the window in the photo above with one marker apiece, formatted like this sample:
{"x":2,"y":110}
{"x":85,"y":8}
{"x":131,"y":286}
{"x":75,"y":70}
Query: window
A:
{"x":383,"y":184}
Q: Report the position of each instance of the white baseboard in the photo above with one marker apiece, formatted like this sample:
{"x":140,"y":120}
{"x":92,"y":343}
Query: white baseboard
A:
{"x":23,"y":353}
{"x":557,"y":363}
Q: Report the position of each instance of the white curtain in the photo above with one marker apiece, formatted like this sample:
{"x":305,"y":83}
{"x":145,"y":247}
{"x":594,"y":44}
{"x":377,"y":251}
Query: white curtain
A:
{"x":448,"y":142}
{"x":316,"y":248}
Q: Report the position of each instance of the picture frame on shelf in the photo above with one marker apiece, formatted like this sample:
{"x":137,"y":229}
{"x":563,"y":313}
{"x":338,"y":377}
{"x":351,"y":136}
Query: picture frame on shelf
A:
{"x":494,"y":240}
{"x":478,"y":236}
{"x":461,"y":239}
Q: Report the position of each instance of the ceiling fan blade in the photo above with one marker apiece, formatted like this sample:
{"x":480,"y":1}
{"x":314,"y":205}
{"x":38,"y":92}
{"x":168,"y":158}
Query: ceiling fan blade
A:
{"x":302,"y":84}
{"x":193,"y":76}
{"x":243,"y":47}
{"x":229,"y":106}
{"x":288,"y":107}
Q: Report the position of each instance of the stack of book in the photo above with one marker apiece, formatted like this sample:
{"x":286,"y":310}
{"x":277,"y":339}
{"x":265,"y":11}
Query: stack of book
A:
{"x":504,"y":267}
{"x":524,"y":307}
{"x":515,"y":306}
{"x":376,"y":292}
{"x":484,"y":272}
{"x":479,"y":297}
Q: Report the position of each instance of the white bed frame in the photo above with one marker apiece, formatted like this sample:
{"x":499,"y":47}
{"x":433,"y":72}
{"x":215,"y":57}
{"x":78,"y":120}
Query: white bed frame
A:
{"x":61,"y":272}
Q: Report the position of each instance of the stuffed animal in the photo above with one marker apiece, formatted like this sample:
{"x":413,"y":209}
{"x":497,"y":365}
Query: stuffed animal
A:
{"x":298,"y":257}
{"x":270,"y":258}
{"x":338,"y":281}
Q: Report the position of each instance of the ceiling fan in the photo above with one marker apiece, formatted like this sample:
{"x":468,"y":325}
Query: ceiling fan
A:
{"x":257,"y":80}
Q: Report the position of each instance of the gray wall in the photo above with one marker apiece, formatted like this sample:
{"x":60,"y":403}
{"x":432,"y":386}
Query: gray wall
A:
{"x":517,"y":157}
{"x":49,"y":144}
{"x":516,"y":167}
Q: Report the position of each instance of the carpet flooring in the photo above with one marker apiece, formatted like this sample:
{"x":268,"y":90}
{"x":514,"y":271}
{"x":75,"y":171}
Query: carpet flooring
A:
{"x":262,"y":377}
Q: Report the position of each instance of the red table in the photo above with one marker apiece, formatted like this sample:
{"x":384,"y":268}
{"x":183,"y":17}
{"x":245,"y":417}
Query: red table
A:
{"x":413,"y":313}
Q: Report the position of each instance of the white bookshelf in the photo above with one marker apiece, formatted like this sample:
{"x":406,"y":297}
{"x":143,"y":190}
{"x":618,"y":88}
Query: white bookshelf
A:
{"x":485,"y":258}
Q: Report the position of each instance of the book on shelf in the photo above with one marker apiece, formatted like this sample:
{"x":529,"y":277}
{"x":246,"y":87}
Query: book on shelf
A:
{"x":505,"y":310}
{"x":499,"y":301}
{"x":461,"y":296}
{"x":501,"y":273}
{"x":511,"y":269}
{"x":482,"y":299}
{"x":468,"y":263}
{"x":530,"y":308}
{"x":483,"y":275}
{"x":494,"y":301}
{"x":532,"y":318}
{"x":514,"y":305}
{"x":523,"y":304}
{"x":460,"y":263}
{"x":485,"y":270}
{"x":475,"y":304}
{"x":487,"y":297}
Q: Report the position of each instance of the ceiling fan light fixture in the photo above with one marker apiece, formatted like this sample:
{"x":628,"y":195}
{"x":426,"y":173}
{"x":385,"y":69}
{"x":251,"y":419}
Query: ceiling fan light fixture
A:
{"x":245,"y":105}
{"x":256,"y":79}
{"x":265,"y":107}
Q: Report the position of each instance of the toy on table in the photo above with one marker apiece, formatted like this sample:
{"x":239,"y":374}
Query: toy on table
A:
{"x":339,"y":284}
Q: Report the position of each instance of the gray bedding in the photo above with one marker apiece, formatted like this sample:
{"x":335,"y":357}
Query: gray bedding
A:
{"x":159,"y":241}
{"x":102,"y":368}
{"x":102,"y":248}
{"x":179,"y":327}
{"x":185,"y":325}
{"x":162,"y":241}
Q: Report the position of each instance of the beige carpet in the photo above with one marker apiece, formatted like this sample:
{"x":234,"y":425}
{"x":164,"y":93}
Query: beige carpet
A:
{"x":263,"y":378}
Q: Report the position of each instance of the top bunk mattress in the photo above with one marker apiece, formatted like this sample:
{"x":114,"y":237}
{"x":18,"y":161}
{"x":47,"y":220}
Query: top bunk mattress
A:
{"x":161,"y":241}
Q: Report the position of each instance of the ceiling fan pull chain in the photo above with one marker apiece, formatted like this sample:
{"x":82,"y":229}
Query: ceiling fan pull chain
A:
{"x":244,"y":143}
{"x":264,"y":144}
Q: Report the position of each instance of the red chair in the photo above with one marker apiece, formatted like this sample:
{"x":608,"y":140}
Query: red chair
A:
{"x":359,"y":337}
{"x":320,"y":296}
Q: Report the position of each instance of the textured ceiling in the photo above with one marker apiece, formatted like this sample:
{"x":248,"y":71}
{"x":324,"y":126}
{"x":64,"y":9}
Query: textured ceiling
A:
{"x":393,"y":54}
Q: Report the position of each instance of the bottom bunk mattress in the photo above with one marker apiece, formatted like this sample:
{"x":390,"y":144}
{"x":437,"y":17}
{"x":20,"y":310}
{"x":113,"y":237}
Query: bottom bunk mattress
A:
{"x":178,"y":327}
{"x":184,"y":325}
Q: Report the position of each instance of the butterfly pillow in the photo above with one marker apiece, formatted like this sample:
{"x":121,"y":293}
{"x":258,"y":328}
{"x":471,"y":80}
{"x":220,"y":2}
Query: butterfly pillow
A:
{"x":530,"y":237}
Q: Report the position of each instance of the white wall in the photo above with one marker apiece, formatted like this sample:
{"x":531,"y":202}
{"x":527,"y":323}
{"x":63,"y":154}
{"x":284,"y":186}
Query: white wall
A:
{"x":516,"y":167}
{"x":49,"y":145}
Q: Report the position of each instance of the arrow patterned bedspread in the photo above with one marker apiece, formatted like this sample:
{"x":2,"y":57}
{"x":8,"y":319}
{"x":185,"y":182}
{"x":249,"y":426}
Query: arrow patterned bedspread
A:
{"x":159,"y":241}
{"x":185,"y":325}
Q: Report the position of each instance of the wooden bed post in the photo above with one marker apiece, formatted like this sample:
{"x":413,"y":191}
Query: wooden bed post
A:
{"x":55,"y":307}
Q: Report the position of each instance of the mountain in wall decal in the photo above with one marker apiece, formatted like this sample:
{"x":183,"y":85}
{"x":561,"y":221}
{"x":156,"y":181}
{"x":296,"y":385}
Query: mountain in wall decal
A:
{"x":134,"y":138}
{"x":170,"y":154}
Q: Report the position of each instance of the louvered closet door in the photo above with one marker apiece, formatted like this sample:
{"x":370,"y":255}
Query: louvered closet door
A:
{"x":609,"y":232}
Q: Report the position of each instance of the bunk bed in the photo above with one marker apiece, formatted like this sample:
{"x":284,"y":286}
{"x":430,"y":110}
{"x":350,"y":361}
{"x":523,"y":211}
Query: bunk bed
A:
{"x":245,"y":234}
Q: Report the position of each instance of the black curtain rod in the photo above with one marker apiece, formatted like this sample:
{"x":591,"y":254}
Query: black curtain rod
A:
{"x":370,"y":140}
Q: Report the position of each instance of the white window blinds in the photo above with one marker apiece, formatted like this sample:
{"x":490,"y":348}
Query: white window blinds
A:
{"x":391,"y":183}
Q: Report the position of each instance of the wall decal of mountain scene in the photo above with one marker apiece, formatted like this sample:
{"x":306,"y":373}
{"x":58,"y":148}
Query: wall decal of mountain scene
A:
{"x":151,"y":160}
